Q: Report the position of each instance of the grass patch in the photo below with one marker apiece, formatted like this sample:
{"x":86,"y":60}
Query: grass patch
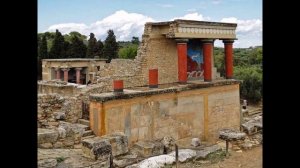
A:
{"x":217,"y":156}
{"x":60,"y":159}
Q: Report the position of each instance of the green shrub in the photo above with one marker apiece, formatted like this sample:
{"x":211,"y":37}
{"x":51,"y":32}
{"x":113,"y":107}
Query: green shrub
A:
{"x":251,"y":86}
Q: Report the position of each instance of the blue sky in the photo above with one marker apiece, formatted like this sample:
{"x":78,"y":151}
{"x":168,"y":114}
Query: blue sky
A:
{"x":127,"y":18}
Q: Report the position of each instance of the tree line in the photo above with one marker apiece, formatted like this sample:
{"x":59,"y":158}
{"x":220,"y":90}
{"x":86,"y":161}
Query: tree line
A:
{"x":247,"y":67}
{"x":54,"y":45}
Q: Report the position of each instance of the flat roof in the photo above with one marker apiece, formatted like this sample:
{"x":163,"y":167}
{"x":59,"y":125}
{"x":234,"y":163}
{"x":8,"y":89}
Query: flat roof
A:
{"x":194,"y":22}
{"x":130,"y":93}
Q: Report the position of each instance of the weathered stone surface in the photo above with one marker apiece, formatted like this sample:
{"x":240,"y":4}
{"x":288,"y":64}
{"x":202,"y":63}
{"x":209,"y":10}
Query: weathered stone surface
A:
{"x":231,"y":135}
{"x":202,"y":154}
{"x":47,"y":163}
{"x":58,"y":145}
{"x":148,"y":148}
{"x":68,"y":142}
{"x":184,"y":154}
{"x":125,"y":161}
{"x":72,"y":129}
{"x":62,"y":132}
{"x":87,"y":133}
{"x":253,"y":123}
{"x":119,"y":143}
{"x":195,"y":142}
{"x":168,"y":143}
{"x":84,"y":122}
{"x":53,"y":124}
{"x":60,"y":115}
{"x":96,"y":148}
{"x":47,"y":136}
{"x":46,"y":145}
{"x":154,"y":162}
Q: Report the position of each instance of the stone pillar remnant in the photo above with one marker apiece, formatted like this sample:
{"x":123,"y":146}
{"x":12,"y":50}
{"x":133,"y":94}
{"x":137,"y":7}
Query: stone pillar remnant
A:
{"x":153,"y":78}
{"x":118,"y":86}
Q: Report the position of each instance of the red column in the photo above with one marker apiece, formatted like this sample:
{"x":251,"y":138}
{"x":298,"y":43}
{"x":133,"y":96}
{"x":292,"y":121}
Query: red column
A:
{"x":57,"y":73}
{"x":78,"y":75}
{"x":207,"y":55}
{"x":153,"y":78}
{"x":228,"y":58}
{"x":118,"y":85}
{"x":66,"y":75}
{"x":182,"y":60}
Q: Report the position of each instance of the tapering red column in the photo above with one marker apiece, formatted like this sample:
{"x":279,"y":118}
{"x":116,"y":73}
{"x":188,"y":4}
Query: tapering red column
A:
{"x":118,"y":86}
{"x":78,"y":75}
{"x":182,"y":60}
{"x":207,"y":56}
{"x":153,"y":78}
{"x":57,"y":73}
{"x":228,"y":58}
{"x":66,"y":75}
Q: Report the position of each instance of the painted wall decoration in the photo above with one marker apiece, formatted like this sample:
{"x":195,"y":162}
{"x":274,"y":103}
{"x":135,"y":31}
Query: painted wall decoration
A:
{"x":195,"y":59}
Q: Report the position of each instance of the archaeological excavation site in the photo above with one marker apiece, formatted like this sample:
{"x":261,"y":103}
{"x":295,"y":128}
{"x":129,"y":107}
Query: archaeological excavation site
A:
{"x":167,"y":107}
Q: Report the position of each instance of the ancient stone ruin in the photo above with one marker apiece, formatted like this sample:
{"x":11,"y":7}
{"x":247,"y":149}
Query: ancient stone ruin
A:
{"x":171,"y":93}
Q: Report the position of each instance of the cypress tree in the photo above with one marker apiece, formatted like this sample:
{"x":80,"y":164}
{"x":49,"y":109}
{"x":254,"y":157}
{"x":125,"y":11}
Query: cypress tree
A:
{"x":77,"y":48}
{"x":99,"y":49}
{"x":92,"y":46}
{"x":43,"y":53}
{"x":110,"y":49}
{"x":57,"y":50}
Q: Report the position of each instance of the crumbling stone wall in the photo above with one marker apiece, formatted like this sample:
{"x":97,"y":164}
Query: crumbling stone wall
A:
{"x":155,"y":51}
{"x":53,"y":108}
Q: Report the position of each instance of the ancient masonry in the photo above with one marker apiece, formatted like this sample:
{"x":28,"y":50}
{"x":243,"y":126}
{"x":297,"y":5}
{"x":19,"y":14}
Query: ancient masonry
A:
{"x":170,"y":89}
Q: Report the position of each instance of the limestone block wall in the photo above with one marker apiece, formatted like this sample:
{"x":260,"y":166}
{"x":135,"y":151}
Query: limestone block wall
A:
{"x":155,"y":51}
{"x":161,"y":54}
{"x":197,"y":113}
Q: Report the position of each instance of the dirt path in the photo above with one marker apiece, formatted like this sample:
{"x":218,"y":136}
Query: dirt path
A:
{"x":247,"y":159}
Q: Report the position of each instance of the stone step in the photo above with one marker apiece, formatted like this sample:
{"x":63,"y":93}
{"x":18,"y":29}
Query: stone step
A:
{"x":84,"y":122}
{"x":87,"y":133}
{"x":88,"y":137}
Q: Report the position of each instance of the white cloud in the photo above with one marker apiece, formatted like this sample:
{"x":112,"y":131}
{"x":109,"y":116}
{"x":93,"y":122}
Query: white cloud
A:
{"x":166,"y":5}
{"x":193,"y":16}
{"x":249,"y":32}
{"x":126,"y":25}
{"x":68,"y":27}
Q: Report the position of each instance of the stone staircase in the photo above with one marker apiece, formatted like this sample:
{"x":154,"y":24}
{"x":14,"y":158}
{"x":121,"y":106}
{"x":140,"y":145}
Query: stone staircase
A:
{"x":88,"y":133}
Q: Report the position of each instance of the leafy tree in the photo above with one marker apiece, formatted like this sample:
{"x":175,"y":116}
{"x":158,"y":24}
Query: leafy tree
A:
{"x":92,"y":46}
{"x":77,"y":48}
{"x":135,"y":40}
{"x":57,"y":50}
{"x":128,"y":52}
{"x":68,"y":37}
{"x":110,"y":49}
{"x":255,"y":56}
{"x":43,"y":51}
